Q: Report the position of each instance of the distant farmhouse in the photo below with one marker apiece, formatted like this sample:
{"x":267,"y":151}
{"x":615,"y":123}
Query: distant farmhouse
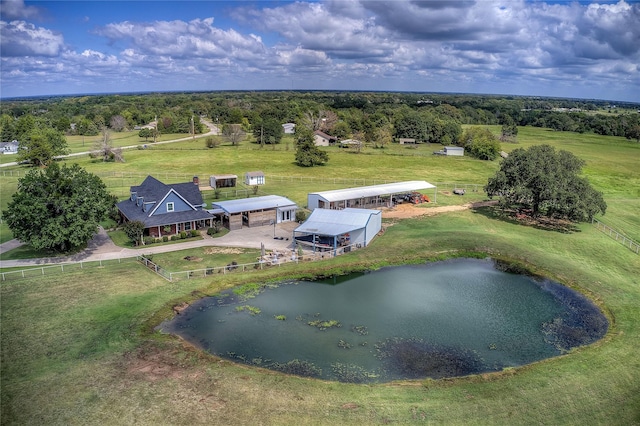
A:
{"x":323,"y":139}
{"x":289,"y":128}
{"x":9,"y":147}
{"x":165,"y":209}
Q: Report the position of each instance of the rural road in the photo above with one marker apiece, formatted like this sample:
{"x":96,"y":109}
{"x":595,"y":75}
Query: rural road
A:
{"x":213,"y":130}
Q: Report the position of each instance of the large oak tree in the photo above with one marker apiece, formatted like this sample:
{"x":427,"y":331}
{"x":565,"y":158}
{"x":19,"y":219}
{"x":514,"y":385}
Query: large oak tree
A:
{"x":57,"y":208}
{"x":547,"y":182}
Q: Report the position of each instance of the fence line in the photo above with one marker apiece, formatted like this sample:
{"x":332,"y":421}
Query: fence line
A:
{"x":60,"y":267}
{"x":627,"y":242}
{"x":292,"y":179}
{"x":278,"y":260}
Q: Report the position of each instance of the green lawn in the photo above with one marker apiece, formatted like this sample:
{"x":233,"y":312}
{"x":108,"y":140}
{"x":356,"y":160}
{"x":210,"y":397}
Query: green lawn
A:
{"x":79,"y":347}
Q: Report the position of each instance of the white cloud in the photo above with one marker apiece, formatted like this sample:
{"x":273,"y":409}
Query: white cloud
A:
{"x":16,"y":9}
{"x":20,"y":38}
{"x":397,"y":44}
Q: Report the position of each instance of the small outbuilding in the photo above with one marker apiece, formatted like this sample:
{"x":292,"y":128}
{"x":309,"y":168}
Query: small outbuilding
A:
{"x":338,"y":230}
{"x":223,"y":181}
{"x":365,"y":197}
{"x":254,"y":178}
{"x":406,"y":141}
{"x":9,"y":147}
{"x":323,"y":139}
{"x":454,"y":150}
{"x":256,"y":211}
{"x":289,"y":128}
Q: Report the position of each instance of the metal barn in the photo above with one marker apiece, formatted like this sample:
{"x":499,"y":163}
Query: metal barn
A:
{"x":365,"y":197}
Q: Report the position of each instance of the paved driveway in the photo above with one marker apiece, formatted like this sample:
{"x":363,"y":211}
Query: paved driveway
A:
{"x":102,"y":248}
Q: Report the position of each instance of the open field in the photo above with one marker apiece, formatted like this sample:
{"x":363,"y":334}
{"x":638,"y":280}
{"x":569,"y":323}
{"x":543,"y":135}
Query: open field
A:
{"x":79,"y":347}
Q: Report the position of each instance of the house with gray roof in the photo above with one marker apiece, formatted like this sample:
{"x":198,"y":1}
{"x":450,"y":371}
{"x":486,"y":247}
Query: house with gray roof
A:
{"x":165,"y":209}
{"x":9,"y":147}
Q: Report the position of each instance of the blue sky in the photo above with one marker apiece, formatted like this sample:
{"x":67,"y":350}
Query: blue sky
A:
{"x":516,"y":47}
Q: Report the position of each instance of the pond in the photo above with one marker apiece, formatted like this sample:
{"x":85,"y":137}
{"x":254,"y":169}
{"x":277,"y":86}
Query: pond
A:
{"x":443,"y":319}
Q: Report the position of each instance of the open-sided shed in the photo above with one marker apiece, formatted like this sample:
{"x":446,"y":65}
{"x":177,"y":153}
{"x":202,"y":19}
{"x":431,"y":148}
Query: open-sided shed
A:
{"x":338,"y":229}
{"x":364,"y":196}
{"x":256,"y":211}
{"x":223,"y":181}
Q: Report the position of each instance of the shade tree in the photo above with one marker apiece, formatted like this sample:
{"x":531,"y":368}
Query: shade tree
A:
{"x":548,"y":183}
{"x":57,"y":208}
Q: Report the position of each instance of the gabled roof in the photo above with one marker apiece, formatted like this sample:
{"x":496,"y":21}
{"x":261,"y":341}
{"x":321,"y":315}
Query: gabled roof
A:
{"x":374,"y":190}
{"x":254,"y":174}
{"x":253,"y":204}
{"x":324,"y":135}
{"x":152,"y":190}
{"x":336,"y":222}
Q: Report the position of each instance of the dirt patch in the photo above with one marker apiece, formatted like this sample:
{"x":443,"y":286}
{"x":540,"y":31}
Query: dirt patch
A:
{"x":405,"y":211}
{"x":181,"y":307}
{"x":223,"y":250}
{"x":193,"y":258}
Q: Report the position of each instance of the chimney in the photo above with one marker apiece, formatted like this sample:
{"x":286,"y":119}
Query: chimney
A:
{"x":196,"y":181}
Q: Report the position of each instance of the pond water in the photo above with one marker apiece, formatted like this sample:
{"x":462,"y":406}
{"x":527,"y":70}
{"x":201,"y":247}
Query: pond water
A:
{"x":437,"y":320}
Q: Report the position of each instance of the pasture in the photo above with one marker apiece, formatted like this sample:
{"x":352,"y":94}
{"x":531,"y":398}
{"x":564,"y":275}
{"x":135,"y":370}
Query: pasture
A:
{"x":80,"y":347}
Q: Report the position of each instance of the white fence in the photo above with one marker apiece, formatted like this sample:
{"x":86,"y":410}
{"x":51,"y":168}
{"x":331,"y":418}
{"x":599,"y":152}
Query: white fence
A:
{"x":627,"y":242}
{"x":39,"y":271}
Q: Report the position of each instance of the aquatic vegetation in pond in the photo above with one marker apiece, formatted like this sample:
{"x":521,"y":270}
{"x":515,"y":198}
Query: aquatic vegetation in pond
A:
{"x":415,"y":358}
{"x":581,"y":323}
{"x":360,"y":329}
{"x":344,"y":345}
{"x":323,"y":325}
{"x":280,"y":317}
{"x":251,"y":309}
{"x":298,"y":367}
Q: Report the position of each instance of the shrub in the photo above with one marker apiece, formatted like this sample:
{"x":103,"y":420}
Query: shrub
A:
{"x":183,"y":235}
{"x":165,"y":238}
{"x":212,"y":142}
{"x":194,"y":233}
{"x":175,"y":237}
{"x":149,"y":240}
{"x":301,"y":216}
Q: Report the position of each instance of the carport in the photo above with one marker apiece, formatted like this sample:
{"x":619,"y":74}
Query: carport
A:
{"x":345,"y":229}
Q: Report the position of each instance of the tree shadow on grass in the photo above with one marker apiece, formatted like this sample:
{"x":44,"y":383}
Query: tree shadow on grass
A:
{"x":523,"y":217}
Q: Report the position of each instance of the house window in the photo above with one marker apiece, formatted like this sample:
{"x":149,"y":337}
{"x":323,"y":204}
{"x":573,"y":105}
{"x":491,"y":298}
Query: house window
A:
{"x":187,"y":226}
{"x":169,"y":207}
